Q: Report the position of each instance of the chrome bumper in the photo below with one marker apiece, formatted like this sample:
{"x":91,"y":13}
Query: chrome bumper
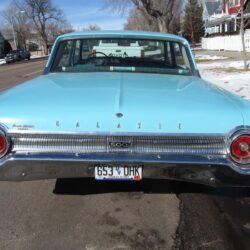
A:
{"x":212,"y":171}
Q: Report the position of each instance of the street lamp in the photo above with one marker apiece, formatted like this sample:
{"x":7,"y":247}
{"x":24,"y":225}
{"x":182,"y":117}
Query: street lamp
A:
{"x":13,"y":30}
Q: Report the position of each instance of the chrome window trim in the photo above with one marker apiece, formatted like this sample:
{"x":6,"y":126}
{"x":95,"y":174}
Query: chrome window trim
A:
{"x":193,"y":70}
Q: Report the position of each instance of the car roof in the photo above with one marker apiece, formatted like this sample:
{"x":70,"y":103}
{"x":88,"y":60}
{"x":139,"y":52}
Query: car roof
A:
{"x":123,"y":34}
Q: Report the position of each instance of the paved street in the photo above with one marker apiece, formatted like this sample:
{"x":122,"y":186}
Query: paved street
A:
{"x":83,"y":214}
{"x":15,"y":73}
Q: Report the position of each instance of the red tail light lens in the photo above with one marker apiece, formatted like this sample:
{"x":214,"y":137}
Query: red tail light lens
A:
{"x":4,"y":145}
{"x":240,"y":149}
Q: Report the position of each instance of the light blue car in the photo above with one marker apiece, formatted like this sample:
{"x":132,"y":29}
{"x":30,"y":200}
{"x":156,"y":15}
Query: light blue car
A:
{"x":133,"y":109}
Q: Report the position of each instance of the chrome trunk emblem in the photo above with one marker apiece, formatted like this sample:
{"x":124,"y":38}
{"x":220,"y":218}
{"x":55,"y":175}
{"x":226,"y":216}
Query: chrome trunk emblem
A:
{"x":119,"y":144}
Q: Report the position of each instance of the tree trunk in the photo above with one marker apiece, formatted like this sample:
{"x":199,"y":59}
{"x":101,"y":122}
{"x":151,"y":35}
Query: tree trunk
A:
{"x":162,"y":25}
{"x":193,"y":39}
{"x":45,"y":46}
{"x":242,"y":34}
{"x":45,"y":42}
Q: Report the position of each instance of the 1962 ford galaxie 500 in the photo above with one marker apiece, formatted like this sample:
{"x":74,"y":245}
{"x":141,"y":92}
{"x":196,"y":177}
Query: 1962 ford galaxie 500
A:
{"x":123,"y":117}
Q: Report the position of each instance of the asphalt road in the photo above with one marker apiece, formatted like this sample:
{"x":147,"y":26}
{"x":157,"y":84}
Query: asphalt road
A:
{"x":15,"y":73}
{"x":83,"y":214}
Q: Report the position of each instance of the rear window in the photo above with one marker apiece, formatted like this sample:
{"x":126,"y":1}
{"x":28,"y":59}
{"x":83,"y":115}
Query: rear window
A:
{"x":133,"y":55}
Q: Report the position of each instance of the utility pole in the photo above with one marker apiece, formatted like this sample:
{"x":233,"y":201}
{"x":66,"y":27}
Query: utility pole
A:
{"x":13,"y":30}
{"x":242,"y":34}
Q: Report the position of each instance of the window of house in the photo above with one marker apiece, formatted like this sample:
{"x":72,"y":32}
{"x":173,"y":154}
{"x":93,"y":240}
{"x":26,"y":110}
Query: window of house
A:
{"x":237,"y":2}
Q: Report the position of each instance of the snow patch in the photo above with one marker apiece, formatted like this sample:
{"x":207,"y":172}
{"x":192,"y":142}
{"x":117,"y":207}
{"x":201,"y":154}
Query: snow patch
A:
{"x":237,"y":82}
{"x":2,"y":61}
{"x":36,"y":56}
{"x":209,"y":57}
{"x":224,"y":65}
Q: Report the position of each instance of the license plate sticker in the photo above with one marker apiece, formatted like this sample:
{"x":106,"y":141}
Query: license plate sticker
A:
{"x":107,"y":172}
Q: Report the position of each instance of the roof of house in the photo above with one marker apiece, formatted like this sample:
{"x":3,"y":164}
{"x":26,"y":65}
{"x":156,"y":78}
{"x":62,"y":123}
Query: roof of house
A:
{"x":213,"y":7}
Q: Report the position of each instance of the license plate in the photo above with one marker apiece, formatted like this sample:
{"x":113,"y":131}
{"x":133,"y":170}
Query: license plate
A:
{"x":110,"y":172}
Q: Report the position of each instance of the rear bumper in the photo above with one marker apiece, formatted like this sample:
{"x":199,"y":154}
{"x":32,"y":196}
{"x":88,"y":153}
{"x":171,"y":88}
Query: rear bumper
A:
{"x":203,"y":170}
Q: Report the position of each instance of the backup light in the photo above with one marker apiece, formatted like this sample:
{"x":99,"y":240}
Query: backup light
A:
{"x":240,"y":149}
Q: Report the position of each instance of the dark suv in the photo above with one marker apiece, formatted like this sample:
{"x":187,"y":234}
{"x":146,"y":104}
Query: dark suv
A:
{"x":17,"y":55}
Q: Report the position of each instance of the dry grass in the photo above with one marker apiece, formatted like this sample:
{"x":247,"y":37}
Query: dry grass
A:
{"x":203,"y":61}
{"x":229,"y":70}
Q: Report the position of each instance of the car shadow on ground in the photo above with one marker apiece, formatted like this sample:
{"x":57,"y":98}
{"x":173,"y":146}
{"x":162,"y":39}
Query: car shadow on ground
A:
{"x":88,"y":186}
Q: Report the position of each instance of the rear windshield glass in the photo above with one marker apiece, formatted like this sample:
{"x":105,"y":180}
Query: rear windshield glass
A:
{"x":132,"y":55}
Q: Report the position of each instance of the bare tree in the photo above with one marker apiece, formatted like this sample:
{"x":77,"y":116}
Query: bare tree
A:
{"x":35,"y":18}
{"x":120,"y":6}
{"x":138,"y":21}
{"x":162,"y":12}
{"x":91,"y":27}
{"x":19,"y":23}
{"x":55,"y":29}
{"x":43,"y":13}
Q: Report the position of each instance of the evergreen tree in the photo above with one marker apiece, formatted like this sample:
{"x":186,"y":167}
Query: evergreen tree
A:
{"x":4,"y":46}
{"x":193,"y":24}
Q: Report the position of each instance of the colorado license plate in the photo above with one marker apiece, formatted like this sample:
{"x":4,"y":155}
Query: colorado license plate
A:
{"x":110,"y":172}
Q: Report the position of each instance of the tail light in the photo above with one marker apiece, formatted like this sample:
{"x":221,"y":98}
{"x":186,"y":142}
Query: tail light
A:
{"x":4,"y":144}
{"x":240,"y":149}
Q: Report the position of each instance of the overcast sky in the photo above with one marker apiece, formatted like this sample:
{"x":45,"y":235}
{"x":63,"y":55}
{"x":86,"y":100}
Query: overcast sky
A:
{"x":80,"y":13}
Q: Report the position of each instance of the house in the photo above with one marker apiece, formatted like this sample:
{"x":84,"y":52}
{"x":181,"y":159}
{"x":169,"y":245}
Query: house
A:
{"x":211,"y":8}
{"x":224,"y":16}
{"x":232,"y":7}
{"x":222,"y":30}
{"x":4,"y":46}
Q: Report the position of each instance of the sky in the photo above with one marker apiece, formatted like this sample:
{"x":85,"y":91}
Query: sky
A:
{"x":81,"y":13}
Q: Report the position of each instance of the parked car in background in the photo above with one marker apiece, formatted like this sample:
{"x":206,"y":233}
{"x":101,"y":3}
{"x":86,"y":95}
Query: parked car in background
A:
{"x":17,"y":55}
{"x":111,"y":117}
